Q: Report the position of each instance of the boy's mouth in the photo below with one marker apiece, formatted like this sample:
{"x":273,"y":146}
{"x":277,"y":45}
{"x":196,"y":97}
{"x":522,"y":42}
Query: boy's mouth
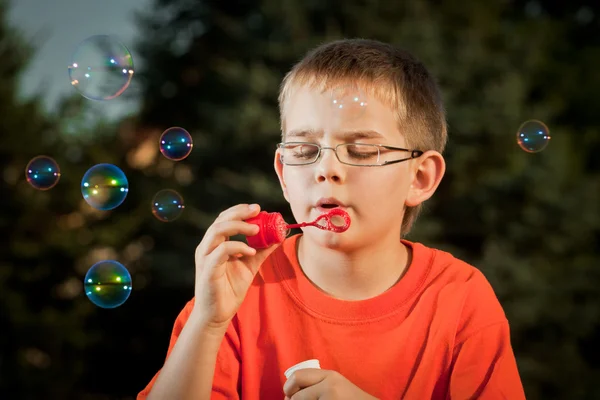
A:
{"x":329,"y":203}
{"x":326,"y":204}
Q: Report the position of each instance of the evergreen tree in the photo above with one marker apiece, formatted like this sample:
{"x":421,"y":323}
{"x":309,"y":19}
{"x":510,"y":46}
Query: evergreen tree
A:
{"x":521,"y":218}
{"x":530,"y":222}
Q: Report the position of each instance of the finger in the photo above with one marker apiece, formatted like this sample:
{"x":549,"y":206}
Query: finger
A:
{"x":222,"y":254}
{"x":303,"y":378}
{"x":261,"y":255}
{"x":314,"y":392}
{"x":238,"y":212}
{"x":221,"y":231}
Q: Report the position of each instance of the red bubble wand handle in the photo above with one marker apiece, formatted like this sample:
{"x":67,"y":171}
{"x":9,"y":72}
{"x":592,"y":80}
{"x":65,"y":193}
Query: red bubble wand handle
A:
{"x":334,"y":215}
{"x":273,"y":229}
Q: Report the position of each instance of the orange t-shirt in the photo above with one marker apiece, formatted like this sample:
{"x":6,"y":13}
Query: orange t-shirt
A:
{"x":439,"y":333}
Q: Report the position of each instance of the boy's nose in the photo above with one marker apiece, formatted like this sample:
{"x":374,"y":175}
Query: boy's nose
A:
{"x":328,"y":166}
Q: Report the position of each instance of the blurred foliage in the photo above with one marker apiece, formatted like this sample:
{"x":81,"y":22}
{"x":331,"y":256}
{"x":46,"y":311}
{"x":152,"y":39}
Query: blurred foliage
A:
{"x":530,"y":222}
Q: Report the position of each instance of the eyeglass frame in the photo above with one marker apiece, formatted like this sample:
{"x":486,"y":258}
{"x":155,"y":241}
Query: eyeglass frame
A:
{"x":413,"y":153}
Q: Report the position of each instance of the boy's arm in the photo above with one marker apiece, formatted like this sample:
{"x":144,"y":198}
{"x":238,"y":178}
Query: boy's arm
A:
{"x":485,"y":366}
{"x":200,"y":363}
{"x":483,"y":362}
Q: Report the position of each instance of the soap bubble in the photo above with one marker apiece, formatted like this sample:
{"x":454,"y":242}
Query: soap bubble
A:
{"x":167,"y":205}
{"x":107,"y":284}
{"x":101,"y":68}
{"x":338,"y":221}
{"x":42,"y":172}
{"x":176,"y":143}
{"x":104,"y":186}
{"x":348,"y":101}
{"x":533,"y":136}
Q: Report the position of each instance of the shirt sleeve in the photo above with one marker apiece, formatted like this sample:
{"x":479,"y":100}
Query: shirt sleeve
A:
{"x":227,"y":380}
{"x":227,"y":370}
{"x":485,"y":367}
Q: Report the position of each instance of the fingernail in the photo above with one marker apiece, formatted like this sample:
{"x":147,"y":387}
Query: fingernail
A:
{"x":254,"y":207}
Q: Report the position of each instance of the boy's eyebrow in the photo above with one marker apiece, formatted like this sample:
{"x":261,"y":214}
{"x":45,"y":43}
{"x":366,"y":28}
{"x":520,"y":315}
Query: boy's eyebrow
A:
{"x":352,"y":135}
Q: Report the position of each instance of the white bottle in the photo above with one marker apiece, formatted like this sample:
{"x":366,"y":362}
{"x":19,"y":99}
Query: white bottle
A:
{"x":314,"y":363}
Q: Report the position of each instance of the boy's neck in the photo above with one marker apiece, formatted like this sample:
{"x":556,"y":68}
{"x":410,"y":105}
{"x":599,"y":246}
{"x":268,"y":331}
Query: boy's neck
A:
{"x":365,"y":274}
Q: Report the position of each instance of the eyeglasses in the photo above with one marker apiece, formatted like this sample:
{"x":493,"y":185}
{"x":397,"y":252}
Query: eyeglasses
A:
{"x":357,"y":154}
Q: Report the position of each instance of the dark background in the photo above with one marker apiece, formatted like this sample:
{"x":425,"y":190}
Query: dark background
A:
{"x":530,"y":222}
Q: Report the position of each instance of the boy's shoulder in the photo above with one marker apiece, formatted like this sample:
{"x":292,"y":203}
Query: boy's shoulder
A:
{"x":444,"y":263}
{"x":457,"y":279}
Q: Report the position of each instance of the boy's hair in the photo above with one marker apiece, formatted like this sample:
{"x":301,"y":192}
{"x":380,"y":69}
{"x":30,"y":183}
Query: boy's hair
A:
{"x":391,"y":75}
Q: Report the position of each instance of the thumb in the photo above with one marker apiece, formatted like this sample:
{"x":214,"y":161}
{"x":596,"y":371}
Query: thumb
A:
{"x":261,"y":255}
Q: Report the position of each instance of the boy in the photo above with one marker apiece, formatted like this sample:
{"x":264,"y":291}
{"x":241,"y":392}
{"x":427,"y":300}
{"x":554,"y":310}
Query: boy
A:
{"x":386,"y":318}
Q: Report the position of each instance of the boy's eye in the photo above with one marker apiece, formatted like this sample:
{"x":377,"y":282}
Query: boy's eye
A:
{"x":306,"y":150}
{"x":300,"y":151}
{"x":361,"y":151}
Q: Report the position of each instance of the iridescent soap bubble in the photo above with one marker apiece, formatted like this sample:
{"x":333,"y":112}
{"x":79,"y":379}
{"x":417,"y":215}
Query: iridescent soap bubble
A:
{"x":104,"y":186}
{"x":533,"y":136}
{"x":348,"y":101}
{"x":176,"y":143}
{"x":42,"y":172}
{"x":107,"y":284}
{"x":101,"y":68}
{"x":167,"y":205}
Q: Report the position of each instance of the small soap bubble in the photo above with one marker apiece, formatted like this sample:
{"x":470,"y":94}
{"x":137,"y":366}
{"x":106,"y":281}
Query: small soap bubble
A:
{"x":533,"y":136}
{"x":338,"y":221}
{"x":107,"y":284}
{"x":348,"y":101}
{"x":42,"y":172}
{"x":176,"y":143}
{"x":101,"y":68}
{"x":104,"y":186}
{"x":167,"y":205}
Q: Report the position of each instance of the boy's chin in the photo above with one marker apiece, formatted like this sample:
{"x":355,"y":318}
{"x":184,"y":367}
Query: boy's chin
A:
{"x":331,"y":240}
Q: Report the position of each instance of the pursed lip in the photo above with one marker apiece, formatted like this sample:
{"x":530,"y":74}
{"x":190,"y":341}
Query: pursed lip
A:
{"x":329,"y":200}
{"x":327,"y":209}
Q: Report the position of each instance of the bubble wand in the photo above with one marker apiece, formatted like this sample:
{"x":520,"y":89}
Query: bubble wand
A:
{"x":274,"y":229}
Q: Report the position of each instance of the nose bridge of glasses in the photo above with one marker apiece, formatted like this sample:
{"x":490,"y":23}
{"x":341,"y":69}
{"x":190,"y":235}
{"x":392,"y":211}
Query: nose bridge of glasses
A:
{"x":322,"y":154}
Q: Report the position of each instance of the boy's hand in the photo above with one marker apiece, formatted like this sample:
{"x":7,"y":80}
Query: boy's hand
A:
{"x":225,"y":269}
{"x":314,"y":384}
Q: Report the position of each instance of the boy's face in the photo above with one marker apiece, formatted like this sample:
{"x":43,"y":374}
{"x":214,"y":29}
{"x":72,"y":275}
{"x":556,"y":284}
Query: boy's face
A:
{"x":374,"y":197}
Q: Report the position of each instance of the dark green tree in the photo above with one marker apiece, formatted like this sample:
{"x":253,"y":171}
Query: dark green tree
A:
{"x":54,"y":343}
{"x":36,"y":324}
{"x":528,"y":221}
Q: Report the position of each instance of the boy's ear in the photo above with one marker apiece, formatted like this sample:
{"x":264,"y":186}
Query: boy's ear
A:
{"x":426,"y":177}
{"x":279,"y":170}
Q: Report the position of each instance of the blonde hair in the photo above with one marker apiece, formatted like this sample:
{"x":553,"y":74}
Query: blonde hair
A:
{"x":392,"y":76}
